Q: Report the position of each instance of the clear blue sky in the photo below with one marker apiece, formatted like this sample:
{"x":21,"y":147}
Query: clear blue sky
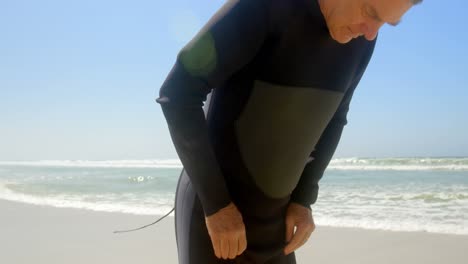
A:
{"x":78,"y":80}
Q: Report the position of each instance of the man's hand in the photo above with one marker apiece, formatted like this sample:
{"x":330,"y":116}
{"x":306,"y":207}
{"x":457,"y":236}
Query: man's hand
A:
{"x":300,"y":217}
{"x":227,"y":231}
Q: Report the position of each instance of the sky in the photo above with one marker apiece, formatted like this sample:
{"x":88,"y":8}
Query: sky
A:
{"x":78,"y":80}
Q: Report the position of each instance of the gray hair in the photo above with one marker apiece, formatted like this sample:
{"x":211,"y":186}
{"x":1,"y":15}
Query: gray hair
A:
{"x":415,"y":2}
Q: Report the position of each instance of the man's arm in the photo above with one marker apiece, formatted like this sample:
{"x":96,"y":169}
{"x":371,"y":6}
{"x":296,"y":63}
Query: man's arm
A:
{"x":306,"y":192}
{"x":225,"y":44}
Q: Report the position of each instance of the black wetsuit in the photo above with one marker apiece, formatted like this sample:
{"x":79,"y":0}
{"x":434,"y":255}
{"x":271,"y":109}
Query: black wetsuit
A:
{"x":282,"y":93}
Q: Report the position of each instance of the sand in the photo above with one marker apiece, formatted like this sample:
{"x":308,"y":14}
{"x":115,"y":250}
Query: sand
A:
{"x":45,"y":235}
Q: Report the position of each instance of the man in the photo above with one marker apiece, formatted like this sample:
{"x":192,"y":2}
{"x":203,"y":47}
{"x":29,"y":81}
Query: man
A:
{"x":284,"y":72}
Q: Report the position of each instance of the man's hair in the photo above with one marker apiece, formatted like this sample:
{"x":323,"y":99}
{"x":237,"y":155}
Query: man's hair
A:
{"x":415,"y":2}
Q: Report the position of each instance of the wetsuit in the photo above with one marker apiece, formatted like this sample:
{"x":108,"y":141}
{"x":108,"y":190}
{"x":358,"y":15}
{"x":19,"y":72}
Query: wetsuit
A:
{"x":282,"y":89}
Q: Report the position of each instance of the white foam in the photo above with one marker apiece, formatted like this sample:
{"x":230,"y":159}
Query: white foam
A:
{"x":166,"y":163}
{"x":355,"y":213}
{"x":400,"y":164}
{"x":405,"y":207}
{"x":79,"y":202}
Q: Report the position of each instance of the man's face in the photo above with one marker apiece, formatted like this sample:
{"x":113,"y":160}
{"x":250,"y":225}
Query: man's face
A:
{"x":348,"y":19}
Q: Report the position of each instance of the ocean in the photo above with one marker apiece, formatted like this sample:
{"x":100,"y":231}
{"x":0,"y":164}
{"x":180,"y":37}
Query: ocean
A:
{"x":396,"y":194}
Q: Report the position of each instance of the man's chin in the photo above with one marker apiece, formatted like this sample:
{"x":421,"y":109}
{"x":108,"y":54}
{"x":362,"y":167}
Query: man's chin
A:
{"x":340,"y":38}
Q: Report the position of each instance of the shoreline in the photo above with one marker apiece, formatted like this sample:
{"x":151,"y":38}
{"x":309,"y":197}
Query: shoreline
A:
{"x":43,"y":234}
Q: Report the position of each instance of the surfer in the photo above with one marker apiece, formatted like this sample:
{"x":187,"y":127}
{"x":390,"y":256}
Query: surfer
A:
{"x":281,"y":75}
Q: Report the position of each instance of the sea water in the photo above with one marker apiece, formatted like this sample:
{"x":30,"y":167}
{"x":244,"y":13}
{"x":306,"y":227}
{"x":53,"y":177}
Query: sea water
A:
{"x":398,"y":194}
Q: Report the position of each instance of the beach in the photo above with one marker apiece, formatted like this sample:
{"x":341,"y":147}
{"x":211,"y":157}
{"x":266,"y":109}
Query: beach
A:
{"x":45,"y":234}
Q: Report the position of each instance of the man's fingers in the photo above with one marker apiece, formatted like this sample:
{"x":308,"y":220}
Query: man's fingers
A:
{"x":296,"y":241}
{"x":224,"y":248}
{"x":289,"y":229}
{"x":216,"y":247}
{"x":242,"y":243}
{"x":233,"y":247}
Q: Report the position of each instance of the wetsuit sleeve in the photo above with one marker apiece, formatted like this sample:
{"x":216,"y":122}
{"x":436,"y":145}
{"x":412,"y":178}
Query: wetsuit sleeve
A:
{"x":230,"y":39}
{"x":306,"y":192}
